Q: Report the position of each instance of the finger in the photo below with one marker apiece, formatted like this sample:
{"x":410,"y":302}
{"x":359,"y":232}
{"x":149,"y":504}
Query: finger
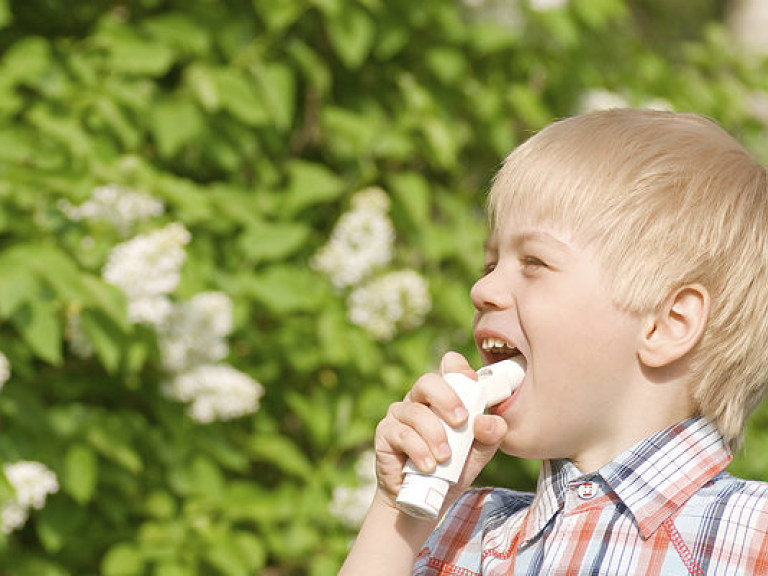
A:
{"x":433,"y":391}
{"x":489,"y":432}
{"x":418,"y":432}
{"x":453,"y":362}
{"x":489,"y":429}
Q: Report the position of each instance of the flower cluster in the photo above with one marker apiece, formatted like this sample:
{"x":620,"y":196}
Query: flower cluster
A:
{"x":215,"y":392}
{"x":394,"y":301}
{"x":361,"y":244}
{"x":32,"y":482}
{"x":5,"y":370}
{"x":600,"y":99}
{"x":193,"y":340}
{"x":147,"y":268}
{"x":746,"y":22}
{"x":120,"y":207}
{"x":192,"y":335}
{"x":350,"y":504}
{"x":195,"y":332}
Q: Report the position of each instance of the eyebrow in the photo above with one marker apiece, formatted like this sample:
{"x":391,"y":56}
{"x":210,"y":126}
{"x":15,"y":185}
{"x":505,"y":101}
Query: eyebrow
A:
{"x":531,"y":236}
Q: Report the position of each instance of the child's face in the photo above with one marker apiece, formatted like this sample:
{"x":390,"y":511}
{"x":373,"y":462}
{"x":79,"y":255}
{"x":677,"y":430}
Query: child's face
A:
{"x":544,"y":294}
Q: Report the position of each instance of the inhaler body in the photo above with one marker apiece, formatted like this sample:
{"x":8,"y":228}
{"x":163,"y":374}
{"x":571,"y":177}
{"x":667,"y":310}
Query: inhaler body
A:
{"x":422,"y":495}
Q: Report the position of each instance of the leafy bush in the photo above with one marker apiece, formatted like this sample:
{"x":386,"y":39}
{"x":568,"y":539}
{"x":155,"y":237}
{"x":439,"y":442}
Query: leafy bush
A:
{"x":182,"y":354}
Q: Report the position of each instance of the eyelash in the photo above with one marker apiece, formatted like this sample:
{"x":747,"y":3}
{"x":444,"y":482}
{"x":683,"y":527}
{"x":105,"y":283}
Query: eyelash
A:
{"x":526,"y":262}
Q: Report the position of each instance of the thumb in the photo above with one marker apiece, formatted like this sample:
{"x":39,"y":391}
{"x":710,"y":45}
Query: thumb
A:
{"x":489,"y":431}
{"x":453,"y":362}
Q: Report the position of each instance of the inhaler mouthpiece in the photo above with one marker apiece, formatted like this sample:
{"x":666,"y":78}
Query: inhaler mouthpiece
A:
{"x":422,"y":495}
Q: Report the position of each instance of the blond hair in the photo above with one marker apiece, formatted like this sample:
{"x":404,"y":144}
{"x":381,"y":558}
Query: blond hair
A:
{"x":669,"y":199}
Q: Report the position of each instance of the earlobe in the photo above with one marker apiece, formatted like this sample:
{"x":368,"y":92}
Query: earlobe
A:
{"x":673,"y":330}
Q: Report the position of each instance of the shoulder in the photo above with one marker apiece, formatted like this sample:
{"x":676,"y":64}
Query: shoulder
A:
{"x":724,"y":486}
{"x":732,"y":504}
{"x":487,"y":507}
{"x":458,"y":540}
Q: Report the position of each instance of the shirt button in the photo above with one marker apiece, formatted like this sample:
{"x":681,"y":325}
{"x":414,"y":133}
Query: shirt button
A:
{"x":587,"y":490}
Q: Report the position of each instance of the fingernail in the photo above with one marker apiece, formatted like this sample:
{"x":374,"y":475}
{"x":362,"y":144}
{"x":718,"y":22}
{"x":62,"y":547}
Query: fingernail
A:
{"x":459,"y":414}
{"x":429,"y":464}
{"x":444,"y":450}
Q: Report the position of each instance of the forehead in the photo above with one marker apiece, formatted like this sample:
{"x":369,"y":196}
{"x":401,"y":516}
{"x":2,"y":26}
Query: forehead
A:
{"x":519,"y":232}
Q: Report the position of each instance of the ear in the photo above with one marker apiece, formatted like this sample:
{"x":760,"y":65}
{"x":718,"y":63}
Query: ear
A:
{"x":673,"y":330}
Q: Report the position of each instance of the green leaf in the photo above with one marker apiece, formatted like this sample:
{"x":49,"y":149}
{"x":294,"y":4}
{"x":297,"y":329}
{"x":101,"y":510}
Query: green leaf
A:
{"x":133,"y":55}
{"x":278,"y":88}
{"x":81,"y":472}
{"x":268,"y":241}
{"x":58,"y":522}
{"x":448,"y":64}
{"x":310,"y":184}
{"x":352,"y":33}
{"x":285,"y":289}
{"x":6,"y":17}
{"x":170,"y":568}
{"x":175,"y":123}
{"x":106,"y":338}
{"x":113,"y":447}
{"x":180,"y":30}
{"x":17,"y":285}
{"x":251,"y":550}
{"x":39,"y":326}
{"x":202,"y":477}
{"x":528,"y":105}
{"x":240,"y":98}
{"x":26,"y":59}
{"x":279,"y":14}
{"x":122,"y":559}
{"x":412,"y":192}
{"x":202,"y":82}
{"x":282,"y":453}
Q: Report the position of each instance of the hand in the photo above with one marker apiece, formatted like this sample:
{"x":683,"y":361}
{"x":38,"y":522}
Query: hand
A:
{"x":412,"y":429}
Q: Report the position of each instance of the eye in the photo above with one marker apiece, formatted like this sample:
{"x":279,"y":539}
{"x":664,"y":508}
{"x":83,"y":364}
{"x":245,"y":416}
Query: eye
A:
{"x":488,"y":267}
{"x":532,"y":262}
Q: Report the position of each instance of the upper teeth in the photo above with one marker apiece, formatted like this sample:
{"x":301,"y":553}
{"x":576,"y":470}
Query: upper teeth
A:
{"x":495,"y":343}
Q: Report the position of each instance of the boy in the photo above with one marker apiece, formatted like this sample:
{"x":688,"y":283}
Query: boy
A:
{"x":628,"y":264}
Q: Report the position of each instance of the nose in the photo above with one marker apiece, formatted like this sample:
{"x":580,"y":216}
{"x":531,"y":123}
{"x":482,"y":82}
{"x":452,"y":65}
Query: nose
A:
{"x":491,"y":292}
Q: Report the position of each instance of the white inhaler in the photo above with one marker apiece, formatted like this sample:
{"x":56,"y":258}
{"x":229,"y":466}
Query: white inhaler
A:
{"x":422,"y":495}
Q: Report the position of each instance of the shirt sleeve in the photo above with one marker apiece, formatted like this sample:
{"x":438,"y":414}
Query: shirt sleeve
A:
{"x":456,"y":545}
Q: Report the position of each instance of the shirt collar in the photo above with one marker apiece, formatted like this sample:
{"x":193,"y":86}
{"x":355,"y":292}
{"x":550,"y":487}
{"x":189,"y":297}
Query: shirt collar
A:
{"x":652,"y":479}
{"x":658,"y":475}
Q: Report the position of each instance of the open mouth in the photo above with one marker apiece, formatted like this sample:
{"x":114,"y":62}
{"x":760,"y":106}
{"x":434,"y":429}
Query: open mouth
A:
{"x":496,"y":349}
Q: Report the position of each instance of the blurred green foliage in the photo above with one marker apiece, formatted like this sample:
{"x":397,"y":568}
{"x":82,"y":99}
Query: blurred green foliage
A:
{"x":254,"y":121}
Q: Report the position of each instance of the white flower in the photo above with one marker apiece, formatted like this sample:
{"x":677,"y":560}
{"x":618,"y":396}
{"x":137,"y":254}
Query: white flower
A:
{"x":504,"y":13}
{"x":658,"y":104}
{"x":747,"y":23}
{"x":398,"y":300}
{"x":79,"y":343}
{"x":361,"y":241}
{"x":120,"y":207}
{"x":541,"y":5}
{"x":12,"y":516}
{"x":32,"y":482}
{"x":599,"y":99}
{"x":195,"y":332}
{"x":216,"y":392}
{"x":5,"y":370}
{"x":147,"y":268}
{"x":350,"y":504}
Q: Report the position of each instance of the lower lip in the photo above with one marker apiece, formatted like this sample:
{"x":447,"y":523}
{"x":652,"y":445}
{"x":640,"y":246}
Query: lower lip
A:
{"x":502,"y":406}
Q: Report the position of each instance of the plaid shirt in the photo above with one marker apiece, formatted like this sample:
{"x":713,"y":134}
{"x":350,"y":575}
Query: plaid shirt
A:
{"x":664,"y":507}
